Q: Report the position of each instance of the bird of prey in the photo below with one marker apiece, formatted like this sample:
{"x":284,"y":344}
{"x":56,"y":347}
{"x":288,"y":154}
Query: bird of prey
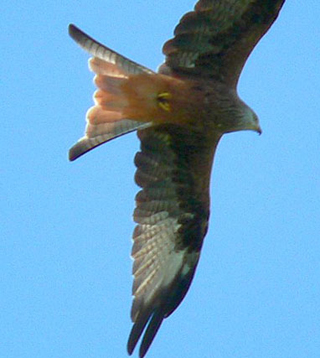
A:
{"x":180,"y":113}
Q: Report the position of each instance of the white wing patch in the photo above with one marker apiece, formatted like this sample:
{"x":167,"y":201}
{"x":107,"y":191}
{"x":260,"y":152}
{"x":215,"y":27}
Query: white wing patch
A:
{"x":155,"y":261}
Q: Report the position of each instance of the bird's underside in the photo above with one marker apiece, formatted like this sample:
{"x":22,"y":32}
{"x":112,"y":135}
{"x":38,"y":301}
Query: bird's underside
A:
{"x":180,"y":115}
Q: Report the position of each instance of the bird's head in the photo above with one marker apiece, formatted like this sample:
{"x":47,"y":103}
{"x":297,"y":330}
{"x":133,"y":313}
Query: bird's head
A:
{"x":249,"y":120}
{"x":240,"y":118}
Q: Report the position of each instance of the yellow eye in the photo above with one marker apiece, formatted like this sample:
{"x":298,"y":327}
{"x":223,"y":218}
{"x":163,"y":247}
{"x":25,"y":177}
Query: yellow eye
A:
{"x":163,"y":101}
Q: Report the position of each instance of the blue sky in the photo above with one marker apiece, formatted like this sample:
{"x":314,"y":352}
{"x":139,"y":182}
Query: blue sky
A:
{"x":66,"y":227}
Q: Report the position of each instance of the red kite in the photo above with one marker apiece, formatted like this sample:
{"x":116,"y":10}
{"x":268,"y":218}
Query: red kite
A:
{"x":180,"y":114}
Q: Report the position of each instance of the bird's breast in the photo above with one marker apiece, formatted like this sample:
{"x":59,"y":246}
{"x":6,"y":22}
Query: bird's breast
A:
{"x":164,"y":99}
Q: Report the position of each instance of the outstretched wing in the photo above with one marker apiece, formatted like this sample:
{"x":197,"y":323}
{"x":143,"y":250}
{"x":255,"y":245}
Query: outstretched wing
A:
{"x":102,"y":124}
{"x":216,"y":38}
{"x":172,"y":211}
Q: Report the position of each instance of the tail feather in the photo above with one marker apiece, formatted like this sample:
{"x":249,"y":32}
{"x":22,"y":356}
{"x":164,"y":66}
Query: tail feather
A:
{"x":97,"y":116}
{"x":108,"y":131}
{"x":110,"y":84}
{"x":104,"y":53}
{"x":106,"y":120}
{"x":109,"y":102}
{"x":101,"y":67}
{"x":110,"y":95}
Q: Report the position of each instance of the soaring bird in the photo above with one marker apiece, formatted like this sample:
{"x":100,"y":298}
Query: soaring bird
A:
{"x":180,"y":113}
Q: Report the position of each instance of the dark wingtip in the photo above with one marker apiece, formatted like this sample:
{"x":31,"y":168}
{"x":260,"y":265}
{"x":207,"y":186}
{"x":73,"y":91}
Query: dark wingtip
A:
{"x":151,"y":317}
{"x":137,"y":328}
{"x":135,"y":334}
{"x":151,"y":331}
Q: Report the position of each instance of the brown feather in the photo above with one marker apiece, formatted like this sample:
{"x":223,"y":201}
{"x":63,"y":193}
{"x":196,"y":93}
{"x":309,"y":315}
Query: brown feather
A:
{"x":172,"y":212}
{"x":216,"y":38}
{"x":180,"y":115}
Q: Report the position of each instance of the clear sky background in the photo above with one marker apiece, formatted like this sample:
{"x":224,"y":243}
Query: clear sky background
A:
{"x":65,"y":287}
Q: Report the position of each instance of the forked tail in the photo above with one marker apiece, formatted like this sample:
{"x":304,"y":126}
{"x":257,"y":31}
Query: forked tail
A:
{"x":106,"y":119}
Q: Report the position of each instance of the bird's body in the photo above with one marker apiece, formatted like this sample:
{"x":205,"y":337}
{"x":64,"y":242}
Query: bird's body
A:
{"x":180,"y":114}
{"x":204,"y":106}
